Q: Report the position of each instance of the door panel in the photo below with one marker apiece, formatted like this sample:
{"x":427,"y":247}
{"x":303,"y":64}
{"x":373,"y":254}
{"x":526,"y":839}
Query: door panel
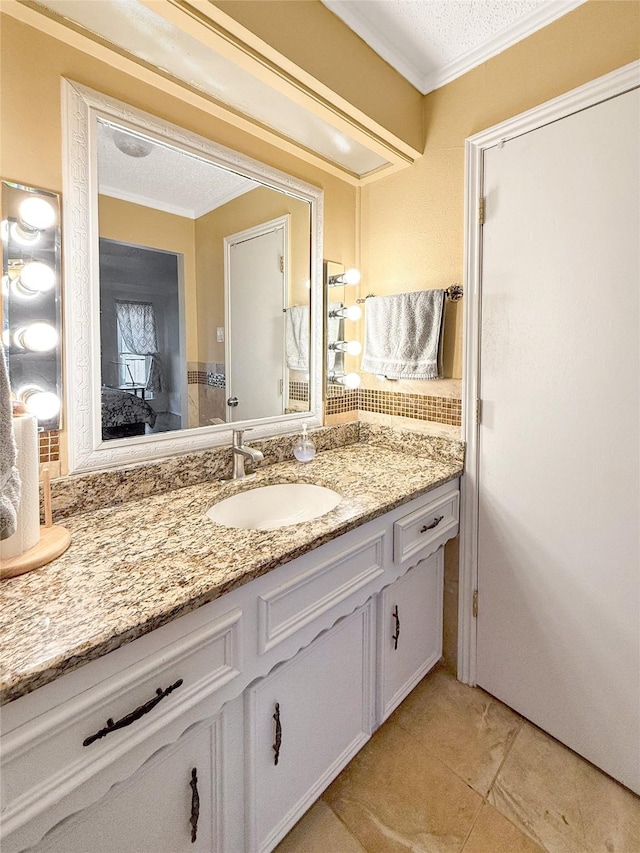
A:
{"x":558,"y":549}
{"x":256,"y":326}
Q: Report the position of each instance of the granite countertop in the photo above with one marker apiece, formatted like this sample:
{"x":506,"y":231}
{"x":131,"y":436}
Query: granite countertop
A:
{"x":134,"y":567}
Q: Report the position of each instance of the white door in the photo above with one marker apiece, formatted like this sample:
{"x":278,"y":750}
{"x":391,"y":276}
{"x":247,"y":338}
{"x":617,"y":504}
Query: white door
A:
{"x":255,"y":298}
{"x":558,"y":549}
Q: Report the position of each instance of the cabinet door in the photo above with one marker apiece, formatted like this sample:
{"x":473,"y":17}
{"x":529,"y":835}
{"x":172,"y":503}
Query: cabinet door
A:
{"x":410,"y":631}
{"x":305,"y":721}
{"x":162,"y":808}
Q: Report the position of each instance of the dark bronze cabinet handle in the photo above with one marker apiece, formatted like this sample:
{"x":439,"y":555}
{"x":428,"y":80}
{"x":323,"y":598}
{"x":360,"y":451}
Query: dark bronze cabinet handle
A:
{"x":195,"y":805}
{"x":276,"y":746}
{"x":134,"y":715}
{"x":434,"y":523}
{"x":396,"y":636}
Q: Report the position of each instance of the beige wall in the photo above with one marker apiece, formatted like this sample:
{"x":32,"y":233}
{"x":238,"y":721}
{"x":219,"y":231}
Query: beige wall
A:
{"x":412,"y":222}
{"x":253,"y":208}
{"x":143,"y":226}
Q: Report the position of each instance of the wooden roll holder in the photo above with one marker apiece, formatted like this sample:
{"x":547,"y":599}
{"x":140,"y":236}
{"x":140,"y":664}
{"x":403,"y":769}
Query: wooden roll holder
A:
{"x":54,"y":541}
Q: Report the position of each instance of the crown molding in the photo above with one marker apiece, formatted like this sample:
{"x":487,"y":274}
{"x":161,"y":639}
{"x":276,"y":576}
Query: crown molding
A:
{"x":426,"y":83}
{"x":377,"y":41}
{"x":519,"y":31}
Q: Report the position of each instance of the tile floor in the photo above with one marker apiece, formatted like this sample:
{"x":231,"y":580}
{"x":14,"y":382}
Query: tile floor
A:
{"x":455,"y":771}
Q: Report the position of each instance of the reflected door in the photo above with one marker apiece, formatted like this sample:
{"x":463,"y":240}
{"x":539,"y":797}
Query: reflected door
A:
{"x":255,"y":298}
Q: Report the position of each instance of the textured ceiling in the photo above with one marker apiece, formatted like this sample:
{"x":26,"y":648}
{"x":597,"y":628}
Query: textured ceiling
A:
{"x":167,"y":179}
{"x":430,"y":42}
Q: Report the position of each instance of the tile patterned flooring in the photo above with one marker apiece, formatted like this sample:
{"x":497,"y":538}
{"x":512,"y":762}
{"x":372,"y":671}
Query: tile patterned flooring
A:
{"x":454,"y":770}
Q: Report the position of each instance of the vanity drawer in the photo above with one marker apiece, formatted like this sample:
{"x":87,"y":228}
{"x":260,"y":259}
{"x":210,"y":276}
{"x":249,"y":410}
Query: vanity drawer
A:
{"x":426,"y":528}
{"x":56,"y":752}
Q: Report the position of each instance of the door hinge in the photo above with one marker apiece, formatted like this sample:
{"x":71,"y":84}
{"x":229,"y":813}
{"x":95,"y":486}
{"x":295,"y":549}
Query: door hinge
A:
{"x":281,"y":263}
{"x":478,"y":411}
{"x":481,"y":211}
{"x":475,"y":604}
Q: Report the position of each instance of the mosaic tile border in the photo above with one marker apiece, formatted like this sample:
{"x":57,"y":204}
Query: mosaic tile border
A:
{"x":49,"y":446}
{"x":442,"y":410}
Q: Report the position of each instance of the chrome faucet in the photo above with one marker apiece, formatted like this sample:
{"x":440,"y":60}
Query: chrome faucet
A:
{"x":242,"y":452}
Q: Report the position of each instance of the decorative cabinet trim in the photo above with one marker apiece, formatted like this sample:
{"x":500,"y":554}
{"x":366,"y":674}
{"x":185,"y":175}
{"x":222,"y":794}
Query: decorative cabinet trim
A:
{"x":295,"y":604}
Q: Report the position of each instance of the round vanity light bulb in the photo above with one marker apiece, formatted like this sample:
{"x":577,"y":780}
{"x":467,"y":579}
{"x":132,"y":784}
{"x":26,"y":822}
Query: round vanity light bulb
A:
{"x":24,"y":236}
{"x":353,"y":348}
{"x":351,"y":380}
{"x":37,"y":277}
{"x":352,"y":276}
{"x":353,"y":313}
{"x":37,"y":213}
{"x":43,"y":404}
{"x":38,"y":337}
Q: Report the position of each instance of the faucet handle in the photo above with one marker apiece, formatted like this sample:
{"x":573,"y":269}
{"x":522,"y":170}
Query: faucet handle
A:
{"x":238,"y":434}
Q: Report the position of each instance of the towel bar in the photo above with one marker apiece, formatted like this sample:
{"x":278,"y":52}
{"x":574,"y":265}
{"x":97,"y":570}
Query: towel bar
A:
{"x":453,"y":294}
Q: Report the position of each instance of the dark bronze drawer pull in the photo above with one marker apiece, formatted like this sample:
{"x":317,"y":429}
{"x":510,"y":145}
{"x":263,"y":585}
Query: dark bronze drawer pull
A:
{"x":276,"y":746}
{"x":434,"y":523}
{"x":134,"y":715}
{"x":396,"y":636}
{"x":195,"y":805}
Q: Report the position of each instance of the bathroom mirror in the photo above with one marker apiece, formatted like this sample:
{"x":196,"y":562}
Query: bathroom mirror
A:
{"x":193,"y":289}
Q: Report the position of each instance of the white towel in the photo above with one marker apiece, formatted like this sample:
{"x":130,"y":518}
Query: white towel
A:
{"x":297,"y":337}
{"x":9,"y":477}
{"x":403,"y":335}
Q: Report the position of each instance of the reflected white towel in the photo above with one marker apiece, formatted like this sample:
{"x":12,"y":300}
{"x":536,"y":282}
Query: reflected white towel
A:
{"x":403,"y":335}
{"x":9,"y":477}
{"x":297,"y":337}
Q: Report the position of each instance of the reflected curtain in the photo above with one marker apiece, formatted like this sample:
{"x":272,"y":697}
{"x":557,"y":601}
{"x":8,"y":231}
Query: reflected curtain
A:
{"x":137,"y":321}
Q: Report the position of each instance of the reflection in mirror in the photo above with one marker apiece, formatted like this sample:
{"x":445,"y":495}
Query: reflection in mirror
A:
{"x":204,"y":291}
{"x":193,"y":282}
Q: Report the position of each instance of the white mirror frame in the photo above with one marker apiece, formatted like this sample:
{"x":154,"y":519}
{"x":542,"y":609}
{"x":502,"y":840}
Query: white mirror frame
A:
{"x":82,"y":378}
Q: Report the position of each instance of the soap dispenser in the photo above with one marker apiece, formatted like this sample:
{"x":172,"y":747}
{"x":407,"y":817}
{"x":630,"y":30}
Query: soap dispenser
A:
{"x":304,"y":449}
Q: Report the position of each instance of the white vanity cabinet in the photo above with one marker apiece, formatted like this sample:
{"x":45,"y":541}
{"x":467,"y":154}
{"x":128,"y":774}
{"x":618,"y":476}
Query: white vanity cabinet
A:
{"x":409,"y":631}
{"x":304,"y":722}
{"x":169,"y":804}
{"x":92,"y":762}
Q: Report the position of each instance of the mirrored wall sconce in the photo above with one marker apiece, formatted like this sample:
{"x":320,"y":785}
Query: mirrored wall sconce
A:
{"x":336,"y":344}
{"x":348,"y":380}
{"x":348,"y":277}
{"x":353,"y":313}
{"x":350,"y":347}
{"x":31,"y":298}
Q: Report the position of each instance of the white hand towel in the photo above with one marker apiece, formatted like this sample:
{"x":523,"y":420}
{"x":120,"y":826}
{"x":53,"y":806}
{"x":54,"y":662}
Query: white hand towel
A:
{"x":403,"y":335}
{"x":9,"y":477}
{"x":297,"y":337}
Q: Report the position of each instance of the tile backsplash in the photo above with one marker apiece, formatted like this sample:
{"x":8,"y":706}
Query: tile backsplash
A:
{"x":442,"y":410}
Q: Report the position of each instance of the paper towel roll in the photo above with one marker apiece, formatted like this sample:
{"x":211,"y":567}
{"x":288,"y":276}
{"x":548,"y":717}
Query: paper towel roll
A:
{"x":27,"y":532}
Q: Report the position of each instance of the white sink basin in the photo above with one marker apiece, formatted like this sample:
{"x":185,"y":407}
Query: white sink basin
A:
{"x":268,"y":507}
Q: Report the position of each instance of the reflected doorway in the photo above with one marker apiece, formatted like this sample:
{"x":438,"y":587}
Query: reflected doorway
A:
{"x":143,"y":367}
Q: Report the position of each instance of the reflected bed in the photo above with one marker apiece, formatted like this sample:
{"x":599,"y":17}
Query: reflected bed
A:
{"x":124,"y":414}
